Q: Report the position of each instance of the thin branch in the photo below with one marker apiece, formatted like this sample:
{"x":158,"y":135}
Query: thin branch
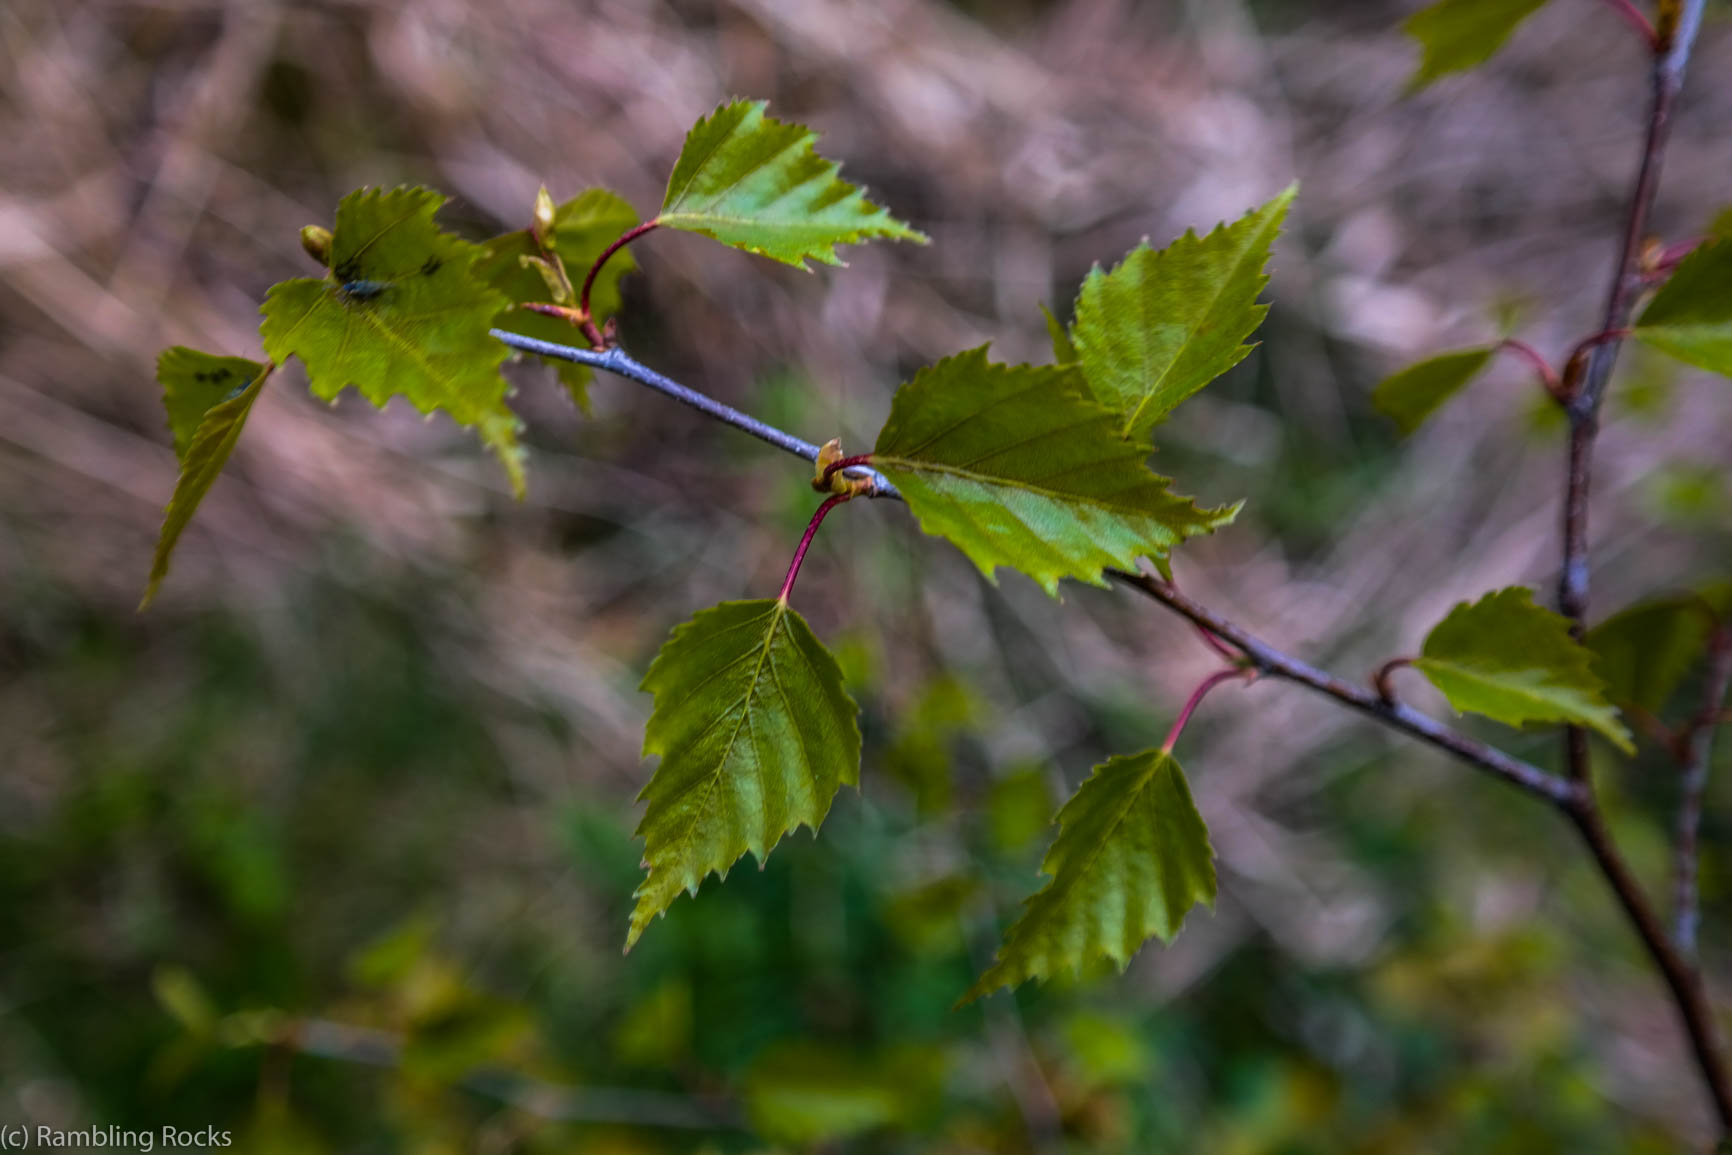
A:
{"x":1696,"y":748}
{"x":615,"y":361}
{"x":1268,"y":660}
{"x":1586,"y":378}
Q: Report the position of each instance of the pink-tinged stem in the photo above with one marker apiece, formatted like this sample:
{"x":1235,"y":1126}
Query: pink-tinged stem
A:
{"x":1548,"y":375}
{"x":1197,"y":695}
{"x":625,"y":239}
{"x":1635,"y":19}
{"x":1381,"y":679}
{"x":806,"y":542}
{"x":845,"y":463}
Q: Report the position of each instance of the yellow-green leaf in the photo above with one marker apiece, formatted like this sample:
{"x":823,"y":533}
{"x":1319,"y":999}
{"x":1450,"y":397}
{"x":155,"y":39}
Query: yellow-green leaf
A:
{"x":1017,"y":467}
{"x":581,"y":229}
{"x":1515,"y":662}
{"x":1164,"y":323}
{"x":194,"y":382}
{"x":754,"y":182}
{"x":1458,"y":35}
{"x":206,"y":454}
{"x":1418,"y":391}
{"x":1691,"y":316}
{"x":401,"y":314}
{"x":1132,"y":857}
{"x":756,"y":733}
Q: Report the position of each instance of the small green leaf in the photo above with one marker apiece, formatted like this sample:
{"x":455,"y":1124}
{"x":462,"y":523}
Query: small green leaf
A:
{"x":206,"y":453}
{"x":1515,"y":662}
{"x":582,"y":228}
{"x":1418,"y":391}
{"x":194,"y":382}
{"x":756,"y":733}
{"x":1690,"y":317}
{"x":1458,"y":35}
{"x":1163,"y":324}
{"x":1063,"y":348}
{"x":806,"y":1095}
{"x":1644,"y":652}
{"x":1016,"y":467}
{"x":1132,"y":857}
{"x":754,"y":182}
{"x":400,"y":315}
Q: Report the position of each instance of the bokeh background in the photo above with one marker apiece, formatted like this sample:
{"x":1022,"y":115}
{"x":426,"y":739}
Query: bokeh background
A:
{"x":332,"y":848}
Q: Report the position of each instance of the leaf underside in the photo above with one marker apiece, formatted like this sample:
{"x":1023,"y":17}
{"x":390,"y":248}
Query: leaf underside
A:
{"x":1418,"y":391}
{"x":582,"y":228}
{"x":1162,"y":324}
{"x":756,"y":733}
{"x":1459,"y":35}
{"x":1017,"y":467}
{"x":754,"y":182}
{"x":400,"y":315}
{"x":1132,"y":857}
{"x":1515,"y":662}
{"x":206,"y":453}
{"x":1690,"y":318}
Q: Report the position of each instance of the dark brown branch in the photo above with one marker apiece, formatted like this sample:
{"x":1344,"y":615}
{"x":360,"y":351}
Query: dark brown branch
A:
{"x":1585,"y":382}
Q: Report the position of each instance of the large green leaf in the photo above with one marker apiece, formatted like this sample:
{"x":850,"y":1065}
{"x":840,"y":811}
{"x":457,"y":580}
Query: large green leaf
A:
{"x":1420,"y":390}
{"x":1132,"y":857}
{"x":1164,"y":323}
{"x":754,"y":182}
{"x":193,"y":383}
{"x":206,"y":453}
{"x":401,"y":314}
{"x":582,"y":228}
{"x":756,"y":733}
{"x":1515,"y":662}
{"x":1691,"y":316}
{"x":1458,"y":35}
{"x":1016,"y":467}
{"x":1645,"y":652}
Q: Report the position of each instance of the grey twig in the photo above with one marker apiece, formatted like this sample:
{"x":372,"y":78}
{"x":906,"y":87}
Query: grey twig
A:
{"x":1696,"y":748}
{"x":616,"y":361}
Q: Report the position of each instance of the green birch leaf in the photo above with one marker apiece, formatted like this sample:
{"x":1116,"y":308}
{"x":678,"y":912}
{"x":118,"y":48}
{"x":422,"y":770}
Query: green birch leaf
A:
{"x":400,"y":315}
{"x":1132,"y":857}
{"x":206,"y":453}
{"x":754,"y":182}
{"x":193,"y":383}
{"x":1459,"y":35}
{"x":1163,"y":324}
{"x":1645,"y":652}
{"x":1418,"y":391}
{"x":756,"y":733}
{"x":1690,"y":318}
{"x":583,"y":227}
{"x":1016,"y":467}
{"x":1515,"y":662}
{"x":1063,"y":348}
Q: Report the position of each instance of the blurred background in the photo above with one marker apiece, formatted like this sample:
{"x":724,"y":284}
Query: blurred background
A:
{"x":332,"y":848}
